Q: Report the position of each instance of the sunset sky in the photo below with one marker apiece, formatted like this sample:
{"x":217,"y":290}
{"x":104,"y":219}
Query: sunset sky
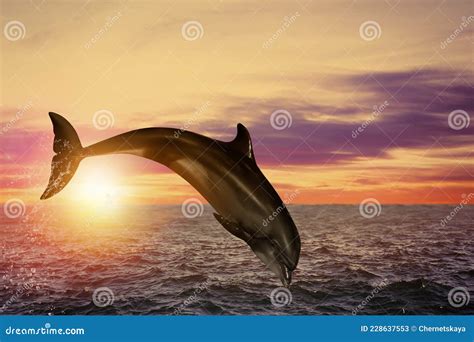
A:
{"x":208,"y":65}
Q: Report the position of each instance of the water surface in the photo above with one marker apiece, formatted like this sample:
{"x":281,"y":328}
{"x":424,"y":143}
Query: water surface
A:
{"x":158,"y":262}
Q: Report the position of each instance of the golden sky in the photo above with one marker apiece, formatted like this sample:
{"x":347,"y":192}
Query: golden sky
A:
{"x":208,"y":65}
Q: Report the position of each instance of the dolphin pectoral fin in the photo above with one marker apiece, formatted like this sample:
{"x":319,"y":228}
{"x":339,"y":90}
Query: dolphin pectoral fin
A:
{"x":242,"y":143}
{"x":233,"y":228}
{"x":262,"y":247}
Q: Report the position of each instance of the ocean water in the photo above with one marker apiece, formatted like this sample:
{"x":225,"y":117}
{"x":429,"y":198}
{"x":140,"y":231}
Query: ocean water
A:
{"x":151,"y":260}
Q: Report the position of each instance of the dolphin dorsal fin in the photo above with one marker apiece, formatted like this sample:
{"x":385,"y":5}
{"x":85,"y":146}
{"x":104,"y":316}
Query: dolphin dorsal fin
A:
{"x":242,"y":142}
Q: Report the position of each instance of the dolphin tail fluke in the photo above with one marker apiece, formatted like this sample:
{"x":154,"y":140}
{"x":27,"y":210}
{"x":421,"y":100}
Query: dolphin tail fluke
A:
{"x":69,"y":153}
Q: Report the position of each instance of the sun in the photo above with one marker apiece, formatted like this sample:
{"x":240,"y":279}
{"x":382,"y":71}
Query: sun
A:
{"x":98,"y":192}
{"x":97,"y":187}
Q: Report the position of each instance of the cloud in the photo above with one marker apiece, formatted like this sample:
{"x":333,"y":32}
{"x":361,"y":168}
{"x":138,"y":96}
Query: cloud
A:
{"x":416,"y":116}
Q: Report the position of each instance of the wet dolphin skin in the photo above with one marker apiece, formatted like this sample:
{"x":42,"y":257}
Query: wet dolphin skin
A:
{"x":224,"y":173}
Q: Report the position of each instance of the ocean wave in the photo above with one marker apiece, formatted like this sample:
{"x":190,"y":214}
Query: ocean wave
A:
{"x":187,"y":268}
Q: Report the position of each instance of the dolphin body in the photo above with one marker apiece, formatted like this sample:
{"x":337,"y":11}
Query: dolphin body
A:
{"x":224,"y":173}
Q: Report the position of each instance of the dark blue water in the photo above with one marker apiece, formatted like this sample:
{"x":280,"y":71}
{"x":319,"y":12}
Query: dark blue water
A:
{"x":152,"y":260}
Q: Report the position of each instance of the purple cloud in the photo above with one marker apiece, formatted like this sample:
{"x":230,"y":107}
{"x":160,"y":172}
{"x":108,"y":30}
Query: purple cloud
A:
{"x":416,"y":116}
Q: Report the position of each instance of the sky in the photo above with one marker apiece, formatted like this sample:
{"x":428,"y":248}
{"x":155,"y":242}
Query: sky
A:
{"x":344,"y":100}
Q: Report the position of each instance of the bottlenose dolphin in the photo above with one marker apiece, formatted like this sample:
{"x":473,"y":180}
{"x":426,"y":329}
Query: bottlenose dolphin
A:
{"x":224,"y":173}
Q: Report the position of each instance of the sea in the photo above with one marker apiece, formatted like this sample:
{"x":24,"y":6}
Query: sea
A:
{"x":153,"y":260}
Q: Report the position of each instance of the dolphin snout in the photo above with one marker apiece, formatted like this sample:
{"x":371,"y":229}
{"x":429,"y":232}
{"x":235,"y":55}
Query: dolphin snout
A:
{"x":286,"y":277}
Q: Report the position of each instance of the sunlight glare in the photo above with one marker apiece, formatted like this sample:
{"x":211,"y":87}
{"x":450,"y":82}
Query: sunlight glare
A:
{"x":97,"y":188}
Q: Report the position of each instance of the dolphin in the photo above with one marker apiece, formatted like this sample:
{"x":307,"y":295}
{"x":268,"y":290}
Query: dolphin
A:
{"x":224,"y":173}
